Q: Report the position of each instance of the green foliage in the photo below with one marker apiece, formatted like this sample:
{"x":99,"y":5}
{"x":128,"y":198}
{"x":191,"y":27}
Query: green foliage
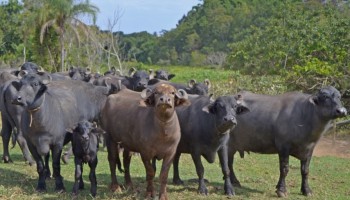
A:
{"x":11,"y":47}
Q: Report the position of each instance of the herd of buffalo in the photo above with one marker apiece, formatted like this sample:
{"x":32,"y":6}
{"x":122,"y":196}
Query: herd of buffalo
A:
{"x":145,"y":112}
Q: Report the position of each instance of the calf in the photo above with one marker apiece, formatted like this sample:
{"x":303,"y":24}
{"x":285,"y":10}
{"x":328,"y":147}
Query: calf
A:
{"x":287,"y":124}
{"x":205,"y":128}
{"x":149,"y":126}
{"x":85,"y":146}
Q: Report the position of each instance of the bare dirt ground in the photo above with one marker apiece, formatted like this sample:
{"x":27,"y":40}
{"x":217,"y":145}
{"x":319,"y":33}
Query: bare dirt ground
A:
{"x":327,"y":146}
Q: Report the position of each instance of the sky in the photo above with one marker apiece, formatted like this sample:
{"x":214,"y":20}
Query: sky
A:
{"x":141,"y":15}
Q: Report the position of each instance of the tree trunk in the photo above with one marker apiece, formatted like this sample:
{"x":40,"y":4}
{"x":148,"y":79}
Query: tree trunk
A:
{"x":62,"y":52}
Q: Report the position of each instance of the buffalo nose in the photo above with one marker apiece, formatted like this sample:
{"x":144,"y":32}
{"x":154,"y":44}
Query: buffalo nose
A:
{"x":229,"y":118}
{"x":86,"y":138}
{"x":341,"y":111}
{"x":165,"y":99}
{"x":142,"y":84}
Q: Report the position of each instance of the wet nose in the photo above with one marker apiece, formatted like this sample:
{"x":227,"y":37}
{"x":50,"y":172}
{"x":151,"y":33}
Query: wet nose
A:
{"x":86,"y":137}
{"x":230,"y":118}
{"x":341,"y":111}
{"x":165,"y":99}
{"x":142,"y":84}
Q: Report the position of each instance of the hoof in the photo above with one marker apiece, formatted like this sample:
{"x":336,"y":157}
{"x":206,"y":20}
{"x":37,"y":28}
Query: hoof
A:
{"x":115,"y":188}
{"x":60,"y":190}
{"x":149,"y":195}
{"x":307,"y":193}
{"x":7,"y":159}
{"x":178,"y":182}
{"x":281,"y":194}
{"x":40,"y":190}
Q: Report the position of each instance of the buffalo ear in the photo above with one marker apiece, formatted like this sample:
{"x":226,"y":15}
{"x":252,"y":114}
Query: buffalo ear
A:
{"x":208,"y":108}
{"x":313,"y":100}
{"x":241,"y":109}
{"x":17,"y":85}
{"x":191,"y":83}
{"x":147,"y":96}
{"x":45,"y":77}
{"x":171,"y":76}
{"x":208,"y":83}
{"x":181,"y":98}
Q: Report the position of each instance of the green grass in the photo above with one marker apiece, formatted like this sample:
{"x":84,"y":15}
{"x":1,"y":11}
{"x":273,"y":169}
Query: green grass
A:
{"x":329,"y":179}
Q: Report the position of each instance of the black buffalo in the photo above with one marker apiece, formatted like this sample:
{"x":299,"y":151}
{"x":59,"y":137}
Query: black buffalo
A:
{"x":51,"y":107}
{"x":137,"y":79}
{"x":163,"y":75}
{"x":10,"y":118}
{"x":85,"y":147}
{"x":205,"y":127}
{"x":287,"y":124}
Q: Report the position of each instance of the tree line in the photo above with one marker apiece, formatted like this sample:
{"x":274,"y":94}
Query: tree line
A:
{"x":306,"y":41}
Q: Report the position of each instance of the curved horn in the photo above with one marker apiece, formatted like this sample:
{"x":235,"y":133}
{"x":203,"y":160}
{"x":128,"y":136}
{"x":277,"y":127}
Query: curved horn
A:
{"x":41,"y":69}
{"x":207,"y":82}
{"x":151,"y":74}
{"x":118,"y":72}
{"x":182,"y":94}
{"x":88,"y":70}
{"x":22,"y":73}
{"x":191,"y":83}
{"x":132,"y":71}
{"x":146,"y":93}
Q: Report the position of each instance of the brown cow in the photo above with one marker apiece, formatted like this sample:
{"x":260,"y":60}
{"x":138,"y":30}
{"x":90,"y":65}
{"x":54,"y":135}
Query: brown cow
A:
{"x":146,"y":123}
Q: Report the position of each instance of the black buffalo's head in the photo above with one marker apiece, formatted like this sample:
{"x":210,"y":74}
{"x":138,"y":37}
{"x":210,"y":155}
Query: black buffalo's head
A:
{"x":31,"y":89}
{"x":225,"y":109}
{"x":163,"y":75}
{"x":328,"y":103}
{"x":81,"y":134}
{"x":198,"y":88}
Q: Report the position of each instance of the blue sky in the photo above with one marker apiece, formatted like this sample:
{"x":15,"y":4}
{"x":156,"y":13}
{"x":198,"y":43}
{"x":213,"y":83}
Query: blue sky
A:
{"x":142,"y":15}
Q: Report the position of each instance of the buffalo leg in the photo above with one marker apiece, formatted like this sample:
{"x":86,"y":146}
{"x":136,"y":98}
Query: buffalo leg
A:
{"x":6,"y":130}
{"x":176,"y":178}
{"x":92,"y":176}
{"x":78,"y":174}
{"x":47,"y":166}
{"x":22,"y":142}
{"x":56,"y":155}
{"x":202,"y":189}
{"x":126,"y":162}
{"x":41,"y":187}
{"x":233,"y":178}
{"x":149,"y":176}
{"x":225,"y":171}
{"x":112,"y":149}
{"x":284,"y":168}
{"x":81,"y":182}
{"x":163,"y":177}
{"x":304,"y":168}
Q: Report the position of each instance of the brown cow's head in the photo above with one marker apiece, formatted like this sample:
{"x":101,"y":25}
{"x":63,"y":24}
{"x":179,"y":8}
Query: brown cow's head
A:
{"x":164,"y":98}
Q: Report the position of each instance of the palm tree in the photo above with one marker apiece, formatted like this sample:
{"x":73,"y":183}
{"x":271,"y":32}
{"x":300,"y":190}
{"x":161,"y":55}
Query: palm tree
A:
{"x":62,"y":15}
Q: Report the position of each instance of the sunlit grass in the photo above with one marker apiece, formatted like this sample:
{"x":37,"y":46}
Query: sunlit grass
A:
{"x":329,"y":179}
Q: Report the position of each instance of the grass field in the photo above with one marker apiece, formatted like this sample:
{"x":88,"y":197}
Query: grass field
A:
{"x":329,"y":179}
